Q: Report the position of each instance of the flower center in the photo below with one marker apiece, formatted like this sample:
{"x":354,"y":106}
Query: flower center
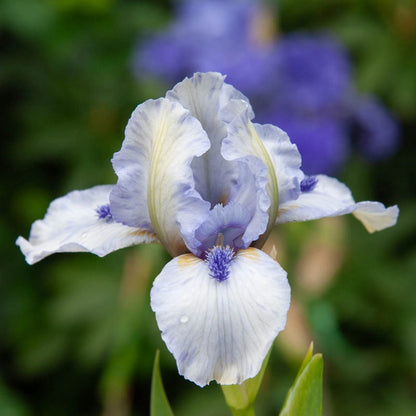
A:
{"x":219,"y":259}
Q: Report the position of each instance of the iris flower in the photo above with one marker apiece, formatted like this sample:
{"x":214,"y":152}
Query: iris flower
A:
{"x":196,"y":175}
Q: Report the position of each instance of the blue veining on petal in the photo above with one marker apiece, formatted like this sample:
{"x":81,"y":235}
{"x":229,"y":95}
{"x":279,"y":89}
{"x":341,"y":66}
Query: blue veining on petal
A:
{"x":207,"y":96}
{"x":218,"y":260}
{"x":104,"y":213}
{"x":308,"y":184}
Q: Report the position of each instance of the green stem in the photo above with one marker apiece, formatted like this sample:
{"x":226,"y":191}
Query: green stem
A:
{"x":240,"y":398}
{"x":249,"y":411}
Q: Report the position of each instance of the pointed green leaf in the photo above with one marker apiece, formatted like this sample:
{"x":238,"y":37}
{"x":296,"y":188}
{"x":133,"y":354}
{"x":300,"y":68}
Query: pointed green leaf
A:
{"x":305,"y":396}
{"x":306,"y":360}
{"x":159,"y":405}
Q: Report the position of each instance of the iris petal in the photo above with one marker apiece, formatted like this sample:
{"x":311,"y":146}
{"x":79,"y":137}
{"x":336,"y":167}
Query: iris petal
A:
{"x":230,"y":221}
{"x":241,"y":220}
{"x":205,"y":95}
{"x":209,"y":98}
{"x":75,"y":223}
{"x":154,"y":169}
{"x":244,"y":144}
{"x":221,"y":329}
{"x":330,"y":198}
{"x":286,"y":160}
{"x":375,"y":216}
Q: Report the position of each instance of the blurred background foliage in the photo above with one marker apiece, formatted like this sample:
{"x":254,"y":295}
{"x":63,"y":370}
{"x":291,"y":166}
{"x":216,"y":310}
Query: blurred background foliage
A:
{"x":77,"y":335}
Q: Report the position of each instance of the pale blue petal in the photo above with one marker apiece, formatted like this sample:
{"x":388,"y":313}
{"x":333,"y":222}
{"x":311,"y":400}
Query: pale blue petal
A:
{"x":286,"y":160}
{"x":230,"y":221}
{"x":244,"y":145}
{"x":209,"y":100}
{"x":154,"y":169}
{"x":221,"y":329}
{"x":250,"y":192}
{"x":205,"y":95}
{"x":75,"y":222}
{"x":330,"y":198}
{"x":241,"y":220}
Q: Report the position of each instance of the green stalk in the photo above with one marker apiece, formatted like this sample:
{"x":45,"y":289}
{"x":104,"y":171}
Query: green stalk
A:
{"x":240,"y":398}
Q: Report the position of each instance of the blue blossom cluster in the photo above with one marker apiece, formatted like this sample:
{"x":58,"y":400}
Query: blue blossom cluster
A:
{"x":301,"y":82}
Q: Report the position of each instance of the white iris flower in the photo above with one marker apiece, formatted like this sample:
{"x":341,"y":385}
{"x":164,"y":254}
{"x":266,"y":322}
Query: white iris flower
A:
{"x":196,"y":175}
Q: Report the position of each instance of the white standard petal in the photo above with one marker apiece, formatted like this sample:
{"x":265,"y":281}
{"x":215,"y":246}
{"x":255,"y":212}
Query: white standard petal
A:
{"x":243,"y":143}
{"x":330,"y":198}
{"x":206,"y":95}
{"x":154,"y":169}
{"x":286,"y":160}
{"x":220,"y":323}
{"x":73,"y":224}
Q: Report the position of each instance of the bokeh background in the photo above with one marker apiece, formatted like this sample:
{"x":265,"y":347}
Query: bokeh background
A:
{"x":77,"y":335}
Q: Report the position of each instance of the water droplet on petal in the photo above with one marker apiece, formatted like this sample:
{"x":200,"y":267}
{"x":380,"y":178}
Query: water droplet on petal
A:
{"x":184,"y":319}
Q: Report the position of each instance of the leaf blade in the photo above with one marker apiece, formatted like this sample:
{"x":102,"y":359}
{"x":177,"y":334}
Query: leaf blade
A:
{"x":305,"y":396}
{"x":159,"y":404}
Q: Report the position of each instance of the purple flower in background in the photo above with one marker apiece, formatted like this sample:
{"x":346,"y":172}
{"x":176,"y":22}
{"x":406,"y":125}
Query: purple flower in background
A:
{"x":300,"y":81}
{"x":377,"y":132}
{"x":314,"y":75}
{"x":323,"y":142}
{"x":208,"y":35}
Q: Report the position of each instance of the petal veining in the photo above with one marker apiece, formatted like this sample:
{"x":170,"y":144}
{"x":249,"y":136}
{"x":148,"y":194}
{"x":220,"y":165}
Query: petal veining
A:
{"x":330,"y":198}
{"x":205,"y":95}
{"x":154,"y":169}
{"x":286,"y":160}
{"x":243,"y":143}
{"x":221,"y":329}
{"x":76,"y":222}
{"x":230,"y":221}
{"x":241,"y":219}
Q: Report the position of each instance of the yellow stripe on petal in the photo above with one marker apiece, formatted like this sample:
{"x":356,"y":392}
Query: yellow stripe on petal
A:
{"x":243,"y":140}
{"x":250,"y":253}
{"x":176,"y":139}
{"x":261,"y":152}
{"x":154,"y":169}
{"x":187,"y":260}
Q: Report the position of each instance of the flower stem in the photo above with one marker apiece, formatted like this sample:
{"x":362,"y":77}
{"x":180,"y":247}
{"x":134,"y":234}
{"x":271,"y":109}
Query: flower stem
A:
{"x":240,"y":398}
{"x":249,"y":411}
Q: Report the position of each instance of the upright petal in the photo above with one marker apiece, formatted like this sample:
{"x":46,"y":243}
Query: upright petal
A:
{"x":286,"y":160}
{"x":208,"y":98}
{"x":328,"y":197}
{"x":81,"y":221}
{"x":206,"y":95}
{"x":154,"y":169}
{"x":219,"y":317}
{"x":244,"y":144}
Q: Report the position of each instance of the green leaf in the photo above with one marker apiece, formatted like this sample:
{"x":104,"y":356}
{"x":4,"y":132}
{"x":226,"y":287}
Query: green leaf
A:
{"x":159,"y":405}
{"x":305,"y":396}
